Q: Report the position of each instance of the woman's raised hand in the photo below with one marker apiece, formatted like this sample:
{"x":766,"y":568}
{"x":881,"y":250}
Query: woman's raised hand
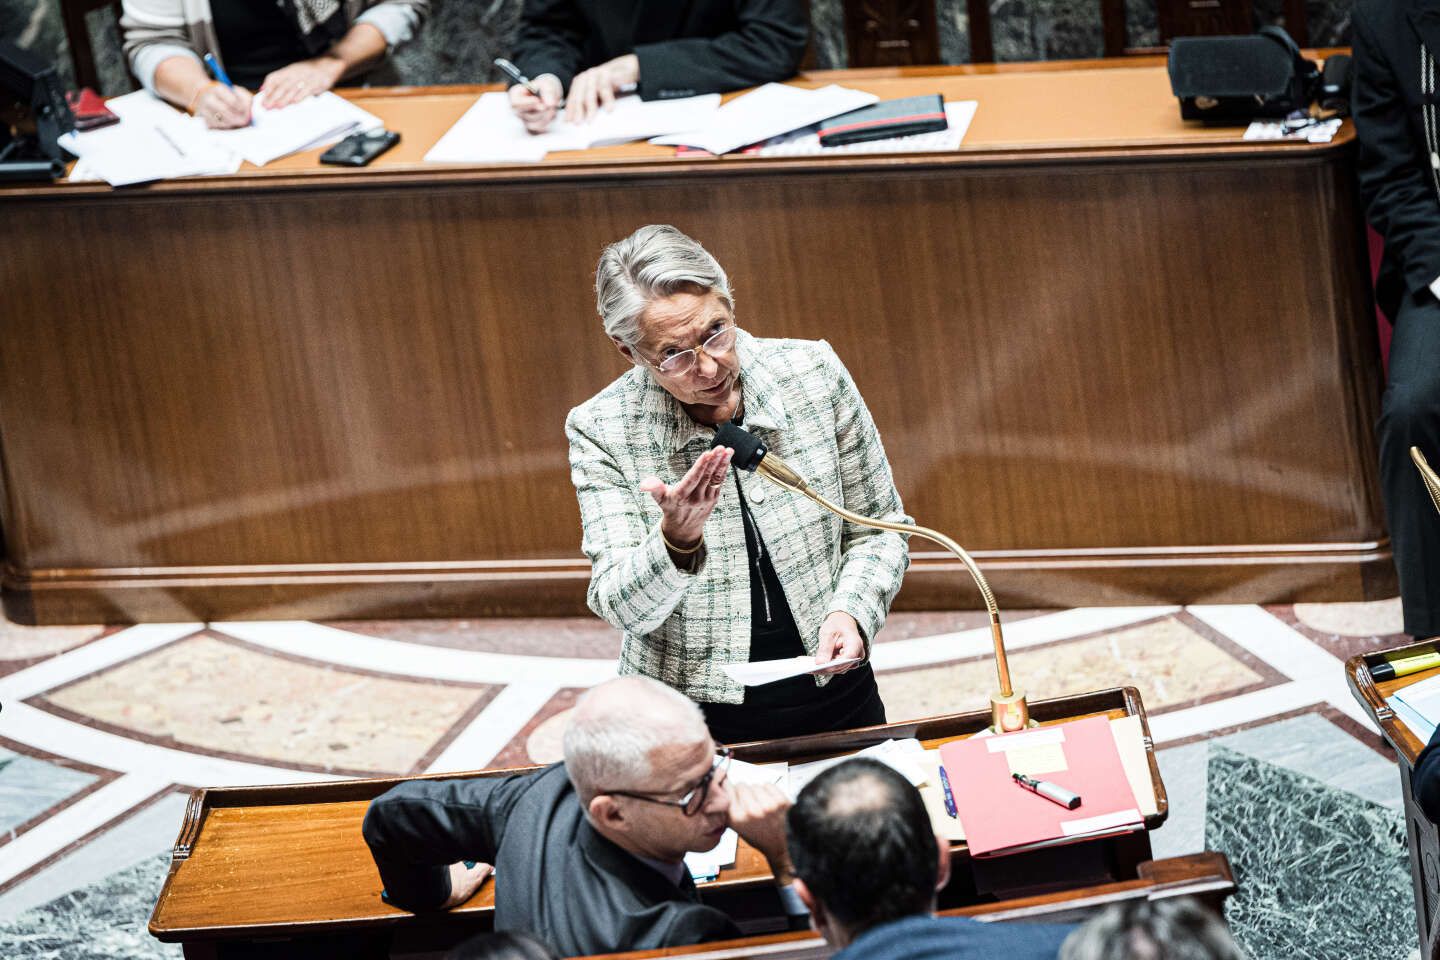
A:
{"x":686,"y":504}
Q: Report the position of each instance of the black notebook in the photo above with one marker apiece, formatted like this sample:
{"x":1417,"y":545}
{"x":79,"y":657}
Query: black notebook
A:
{"x":888,"y":118}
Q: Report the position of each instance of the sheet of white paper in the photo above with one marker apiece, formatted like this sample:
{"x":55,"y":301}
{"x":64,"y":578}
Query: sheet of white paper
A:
{"x":313,"y":122}
{"x":742,"y":772}
{"x":152,"y":141}
{"x":906,"y":757}
{"x":760,"y":672}
{"x":806,"y":143}
{"x":1423,"y":698}
{"x":1421,"y":727}
{"x":767,"y":112}
{"x":707,"y":865}
{"x":489,"y":132}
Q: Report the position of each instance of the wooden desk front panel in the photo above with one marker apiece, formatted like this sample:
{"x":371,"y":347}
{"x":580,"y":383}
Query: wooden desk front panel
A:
{"x":1118,"y":380}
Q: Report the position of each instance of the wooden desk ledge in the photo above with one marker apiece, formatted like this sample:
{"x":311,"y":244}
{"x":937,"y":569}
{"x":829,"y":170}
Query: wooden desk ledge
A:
{"x":289,"y":861}
{"x":1203,"y":875}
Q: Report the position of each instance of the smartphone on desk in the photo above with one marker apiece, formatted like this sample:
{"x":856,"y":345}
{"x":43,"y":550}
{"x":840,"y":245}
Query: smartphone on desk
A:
{"x":358,"y":149}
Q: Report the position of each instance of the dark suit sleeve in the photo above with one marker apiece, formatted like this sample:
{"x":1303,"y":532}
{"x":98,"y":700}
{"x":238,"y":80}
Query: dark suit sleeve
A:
{"x":767,"y":46}
{"x":550,"y":40}
{"x":1395,"y":183}
{"x":1425,"y":779}
{"x":417,"y":829}
{"x":697,"y":923}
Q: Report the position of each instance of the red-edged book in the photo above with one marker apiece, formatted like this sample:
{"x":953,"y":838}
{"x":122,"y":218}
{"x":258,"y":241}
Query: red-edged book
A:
{"x":886,"y":119}
{"x":1001,"y":817}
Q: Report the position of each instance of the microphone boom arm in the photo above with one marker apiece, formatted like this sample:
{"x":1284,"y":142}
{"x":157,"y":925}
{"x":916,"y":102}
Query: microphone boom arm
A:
{"x":1009,"y":709}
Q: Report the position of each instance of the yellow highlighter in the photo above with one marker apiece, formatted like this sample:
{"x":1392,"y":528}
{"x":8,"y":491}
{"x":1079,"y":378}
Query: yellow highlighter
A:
{"x":1391,"y":668}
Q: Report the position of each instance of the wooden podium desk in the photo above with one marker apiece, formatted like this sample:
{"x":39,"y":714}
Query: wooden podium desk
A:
{"x":1421,"y":835}
{"x":288,"y":864}
{"x":1122,"y":358}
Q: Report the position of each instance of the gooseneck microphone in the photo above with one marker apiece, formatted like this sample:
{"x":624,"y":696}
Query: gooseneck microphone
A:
{"x":1009,"y":709}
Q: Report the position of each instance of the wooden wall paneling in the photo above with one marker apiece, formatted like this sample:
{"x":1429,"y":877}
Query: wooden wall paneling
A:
{"x":1116,"y":378}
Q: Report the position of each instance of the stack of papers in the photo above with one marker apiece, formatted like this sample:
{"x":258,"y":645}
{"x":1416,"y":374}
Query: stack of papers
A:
{"x":1418,"y":707}
{"x":154,"y":141}
{"x":905,"y":757}
{"x":768,"y":112}
{"x":314,"y":122}
{"x":489,"y":132}
{"x":806,"y":143}
{"x":1000,"y":817}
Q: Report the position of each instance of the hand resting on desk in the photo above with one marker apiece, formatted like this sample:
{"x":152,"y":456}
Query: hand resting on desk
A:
{"x":465,"y":878}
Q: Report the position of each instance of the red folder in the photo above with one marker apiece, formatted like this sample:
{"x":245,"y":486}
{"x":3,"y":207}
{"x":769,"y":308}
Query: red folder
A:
{"x":1001,"y":817}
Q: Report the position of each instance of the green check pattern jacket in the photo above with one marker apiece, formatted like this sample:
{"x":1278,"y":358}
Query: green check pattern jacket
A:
{"x":679,"y":627}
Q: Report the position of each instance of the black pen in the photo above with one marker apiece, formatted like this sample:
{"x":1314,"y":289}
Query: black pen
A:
{"x":515,"y":74}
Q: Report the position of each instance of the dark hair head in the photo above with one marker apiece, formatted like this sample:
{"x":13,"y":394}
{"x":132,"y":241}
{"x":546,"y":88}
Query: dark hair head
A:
{"x":1179,"y":928}
{"x":501,"y":946}
{"x":861,"y":839}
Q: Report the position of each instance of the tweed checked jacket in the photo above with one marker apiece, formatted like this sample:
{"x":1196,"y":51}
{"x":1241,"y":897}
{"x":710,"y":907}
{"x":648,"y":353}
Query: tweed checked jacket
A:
{"x":680,"y":627}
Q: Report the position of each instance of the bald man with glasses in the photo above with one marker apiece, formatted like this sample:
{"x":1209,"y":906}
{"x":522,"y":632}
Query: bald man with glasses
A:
{"x":588,"y":854}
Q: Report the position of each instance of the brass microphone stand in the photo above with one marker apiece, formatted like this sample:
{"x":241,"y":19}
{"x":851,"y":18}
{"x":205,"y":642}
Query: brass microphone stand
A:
{"x":1427,"y":473}
{"x":1009,"y":709}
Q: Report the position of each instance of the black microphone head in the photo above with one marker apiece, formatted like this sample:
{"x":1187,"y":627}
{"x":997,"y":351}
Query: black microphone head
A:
{"x":749,"y":451}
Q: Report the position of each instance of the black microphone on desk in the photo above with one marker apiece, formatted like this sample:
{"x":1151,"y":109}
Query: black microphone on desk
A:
{"x":1009,"y":709}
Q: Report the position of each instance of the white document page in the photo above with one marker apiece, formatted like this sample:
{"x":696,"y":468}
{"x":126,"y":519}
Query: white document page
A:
{"x":958,"y":116}
{"x":905,"y":757}
{"x":768,"y":112}
{"x":760,"y":672}
{"x":707,"y":865}
{"x":152,"y":141}
{"x":489,"y":132}
{"x":313,"y":122}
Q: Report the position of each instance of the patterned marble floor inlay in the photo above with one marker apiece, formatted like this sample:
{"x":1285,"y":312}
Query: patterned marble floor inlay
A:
{"x":220,"y":696}
{"x":1167,"y":660}
{"x":1263,"y":750}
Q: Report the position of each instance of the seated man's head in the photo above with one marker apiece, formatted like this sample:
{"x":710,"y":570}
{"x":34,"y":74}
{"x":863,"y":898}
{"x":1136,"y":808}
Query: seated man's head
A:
{"x":1179,"y":928}
{"x":863,"y":850}
{"x":635,"y":749}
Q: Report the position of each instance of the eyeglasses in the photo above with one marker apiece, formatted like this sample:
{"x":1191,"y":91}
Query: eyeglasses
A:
{"x":694,"y":801}
{"x":678,"y":364}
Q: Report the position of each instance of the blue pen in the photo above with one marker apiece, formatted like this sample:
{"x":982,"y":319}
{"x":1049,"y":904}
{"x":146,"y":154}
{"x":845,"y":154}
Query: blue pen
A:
{"x":949,"y":796}
{"x":218,"y":70}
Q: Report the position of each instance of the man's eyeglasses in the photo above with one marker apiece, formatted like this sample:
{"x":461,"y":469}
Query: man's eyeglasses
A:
{"x":720,"y":342}
{"x":694,"y":801}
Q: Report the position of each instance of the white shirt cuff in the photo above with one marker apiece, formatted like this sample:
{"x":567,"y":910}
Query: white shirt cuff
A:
{"x":1435,"y":287}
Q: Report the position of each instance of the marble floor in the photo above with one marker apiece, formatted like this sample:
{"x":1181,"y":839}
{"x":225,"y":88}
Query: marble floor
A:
{"x":104,"y":730}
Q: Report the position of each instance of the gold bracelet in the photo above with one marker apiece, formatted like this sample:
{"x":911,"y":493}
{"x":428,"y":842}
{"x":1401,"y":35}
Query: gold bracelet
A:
{"x":681,"y":550}
{"x":191,"y":108}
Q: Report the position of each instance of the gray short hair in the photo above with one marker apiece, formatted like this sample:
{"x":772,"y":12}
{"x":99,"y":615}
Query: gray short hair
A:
{"x":651,"y":264}
{"x":615,"y":727}
{"x":1178,"y":928}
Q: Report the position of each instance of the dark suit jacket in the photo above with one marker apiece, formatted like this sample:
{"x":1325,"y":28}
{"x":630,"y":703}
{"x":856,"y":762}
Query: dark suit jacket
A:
{"x":555,"y":876}
{"x":1396,"y":182}
{"x":957,"y":938}
{"x":685,"y":47}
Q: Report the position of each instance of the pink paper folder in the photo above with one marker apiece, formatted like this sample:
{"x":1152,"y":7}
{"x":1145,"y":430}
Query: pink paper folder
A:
{"x":1001,"y":817}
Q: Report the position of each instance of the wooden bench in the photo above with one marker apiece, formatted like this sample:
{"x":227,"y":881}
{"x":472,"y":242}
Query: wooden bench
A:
{"x":277,"y":864}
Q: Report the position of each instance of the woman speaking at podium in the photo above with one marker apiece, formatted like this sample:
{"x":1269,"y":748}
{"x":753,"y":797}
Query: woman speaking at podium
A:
{"x":698,"y":566}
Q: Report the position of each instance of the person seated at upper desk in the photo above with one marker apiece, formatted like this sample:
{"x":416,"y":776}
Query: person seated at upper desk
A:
{"x":697,"y":567}
{"x":588,"y":853}
{"x":660,"y":48}
{"x":869,"y":864}
{"x":285,"y":49}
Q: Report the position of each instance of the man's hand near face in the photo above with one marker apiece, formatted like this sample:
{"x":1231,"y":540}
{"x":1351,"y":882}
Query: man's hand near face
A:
{"x":757,"y":814}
